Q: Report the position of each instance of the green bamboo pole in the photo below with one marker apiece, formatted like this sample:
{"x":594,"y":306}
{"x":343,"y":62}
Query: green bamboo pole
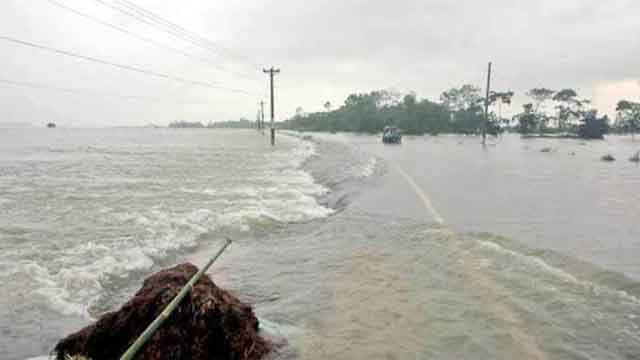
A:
{"x":148,"y":332}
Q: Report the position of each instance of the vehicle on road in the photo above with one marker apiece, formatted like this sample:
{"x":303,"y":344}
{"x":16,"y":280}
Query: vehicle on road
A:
{"x":391,"y":135}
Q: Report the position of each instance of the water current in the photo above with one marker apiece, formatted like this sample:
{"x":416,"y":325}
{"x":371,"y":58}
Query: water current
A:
{"x":435,"y":249}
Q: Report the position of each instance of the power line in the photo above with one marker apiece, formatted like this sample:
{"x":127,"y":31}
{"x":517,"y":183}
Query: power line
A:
{"x":83,"y":92}
{"x":139,"y":37}
{"x":121,"y":66}
{"x":159,"y":19}
{"x":155,"y":21}
{"x":143,"y":38}
{"x":167,"y":24}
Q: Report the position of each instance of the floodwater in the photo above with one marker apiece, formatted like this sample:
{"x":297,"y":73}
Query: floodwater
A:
{"x":434,"y":249}
{"x":566,"y":200}
{"x":86,"y":213}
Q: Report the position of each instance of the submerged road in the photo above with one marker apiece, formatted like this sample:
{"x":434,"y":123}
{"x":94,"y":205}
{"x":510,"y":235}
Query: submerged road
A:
{"x":411,"y":266}
{"x":435,"y":249}
{"x":401,"y":195}
{"x":566,"y":201}
{"x":426,"y":201}
{"x":478,"y":282}
{"x":456,"y":289}
{"x":482,"y":284}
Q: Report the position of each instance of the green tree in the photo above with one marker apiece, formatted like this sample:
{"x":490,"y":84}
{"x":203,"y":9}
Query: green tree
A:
{"x":568,"y":105}
{"x":592,"y":126}
{"x":433,"y":118}
{"x":461,"y":99}
{"x":540,"y":96}
{"x":527,"y":120}
{"x":411,"y":122}
{"x":503,"y":97}
{"x":465,"y":110}
{"x":370,"y":112}
{"x":630,"y":114}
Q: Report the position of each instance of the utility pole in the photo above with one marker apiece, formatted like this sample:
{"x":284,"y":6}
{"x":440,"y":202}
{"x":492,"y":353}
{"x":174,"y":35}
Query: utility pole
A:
{"x":271,"y":73}
{"x":486,"y":107}
{"x":262,"y":116}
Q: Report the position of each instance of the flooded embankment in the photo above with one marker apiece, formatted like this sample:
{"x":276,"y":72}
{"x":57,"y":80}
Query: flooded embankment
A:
{"x":394,"y":274}
{"x":435,"y":249}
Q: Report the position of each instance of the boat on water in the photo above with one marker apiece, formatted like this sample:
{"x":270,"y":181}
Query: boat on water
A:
{"x":51,"y":125}
{"x":391,"y":135}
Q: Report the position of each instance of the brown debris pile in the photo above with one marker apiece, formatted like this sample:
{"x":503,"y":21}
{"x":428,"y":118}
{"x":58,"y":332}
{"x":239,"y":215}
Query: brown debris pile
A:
{"x":209,"y":323}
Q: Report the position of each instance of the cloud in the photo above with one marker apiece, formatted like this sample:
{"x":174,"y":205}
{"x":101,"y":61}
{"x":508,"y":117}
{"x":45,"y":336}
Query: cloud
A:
{"x":326,"y":50}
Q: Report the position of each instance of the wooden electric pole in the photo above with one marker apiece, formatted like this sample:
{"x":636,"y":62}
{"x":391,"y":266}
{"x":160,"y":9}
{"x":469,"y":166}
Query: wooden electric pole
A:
{"x":271,"y":73}
{"x":486,"y":107}
{"x":262,"y":116}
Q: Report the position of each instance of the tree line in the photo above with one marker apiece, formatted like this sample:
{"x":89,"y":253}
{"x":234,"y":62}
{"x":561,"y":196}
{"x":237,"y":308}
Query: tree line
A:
{"x":243,"y":123}
{"x":461,"y":111}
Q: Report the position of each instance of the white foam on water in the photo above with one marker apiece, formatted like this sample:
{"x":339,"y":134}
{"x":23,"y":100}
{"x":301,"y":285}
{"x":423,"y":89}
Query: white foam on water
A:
{"x":369,"y":167}
{"x":276,"y":190}
{"x":540,"y":265}
{"x":531,"y":260}
{"x":72,"y":289}
{"x":53,"y":290}
{"x":279,"y":332}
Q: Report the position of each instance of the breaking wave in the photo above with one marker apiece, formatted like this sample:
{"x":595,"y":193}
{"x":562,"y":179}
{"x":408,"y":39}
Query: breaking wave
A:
{"x":110,"y":218}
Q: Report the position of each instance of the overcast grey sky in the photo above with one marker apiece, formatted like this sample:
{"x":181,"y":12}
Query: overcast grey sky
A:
{"x":325,"y":49}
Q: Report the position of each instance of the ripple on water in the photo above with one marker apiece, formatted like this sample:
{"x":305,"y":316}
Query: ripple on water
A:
{"x":94,"y":212}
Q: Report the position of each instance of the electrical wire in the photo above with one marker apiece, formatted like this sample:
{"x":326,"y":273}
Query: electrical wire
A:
{"x":149,"y":14}
{"x":166,"y":26}
{"x":146,"y":39}
{"x":122,"y":66}
{"x":83,"y":92}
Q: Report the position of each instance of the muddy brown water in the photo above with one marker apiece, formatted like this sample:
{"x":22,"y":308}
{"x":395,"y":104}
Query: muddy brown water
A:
{"x":434,"y":249}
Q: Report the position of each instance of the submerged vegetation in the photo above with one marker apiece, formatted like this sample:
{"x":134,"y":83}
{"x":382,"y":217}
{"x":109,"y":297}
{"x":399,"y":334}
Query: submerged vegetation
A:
{"x":628,"y":117}
{"x":571,"y":118}
{"x":608,"y":158}
{"x":209,"y":323}
{"x":460,"y":110}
